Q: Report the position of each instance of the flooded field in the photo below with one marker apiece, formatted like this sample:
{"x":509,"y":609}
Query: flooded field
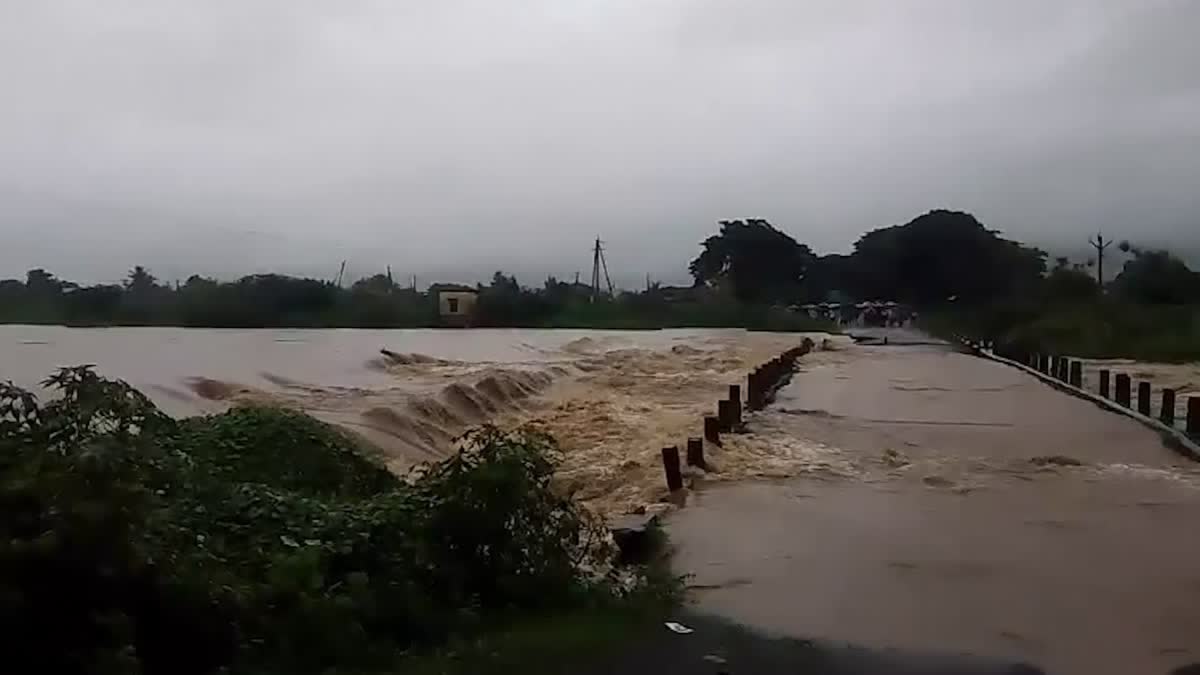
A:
{"x":965,"y":507}
{"x":612,"y":398}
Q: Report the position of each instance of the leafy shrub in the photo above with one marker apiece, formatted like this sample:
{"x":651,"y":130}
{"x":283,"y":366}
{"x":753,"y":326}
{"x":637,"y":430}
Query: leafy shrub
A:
{"x":261,"y":540}
{"x":284,"y":449}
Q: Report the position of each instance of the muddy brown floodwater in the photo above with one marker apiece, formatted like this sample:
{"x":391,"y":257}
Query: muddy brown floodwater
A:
{"x":964,"y":507}
{"x":613,"y":399}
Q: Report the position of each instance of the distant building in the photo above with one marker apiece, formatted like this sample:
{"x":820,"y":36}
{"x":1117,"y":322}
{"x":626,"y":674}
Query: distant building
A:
{"x":455,"y":302}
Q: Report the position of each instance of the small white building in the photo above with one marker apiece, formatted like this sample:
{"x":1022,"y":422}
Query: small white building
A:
{"x":455,"y":302}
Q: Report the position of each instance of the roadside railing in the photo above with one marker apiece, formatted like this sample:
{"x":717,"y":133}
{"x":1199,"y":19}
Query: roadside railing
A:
{"x":762,"y":385}
{"x":1163,"y":408}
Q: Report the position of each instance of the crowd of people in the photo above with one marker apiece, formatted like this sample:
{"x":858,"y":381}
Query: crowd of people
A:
{"x":886,"y":314}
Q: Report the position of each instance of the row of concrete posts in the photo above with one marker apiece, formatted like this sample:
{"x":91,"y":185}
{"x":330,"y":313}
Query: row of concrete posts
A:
{"x":1117,"y":387}
{"x":761,"y":386}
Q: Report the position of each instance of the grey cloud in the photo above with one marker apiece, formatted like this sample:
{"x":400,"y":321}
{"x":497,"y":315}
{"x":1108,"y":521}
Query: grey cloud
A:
{"x":452,"y":138}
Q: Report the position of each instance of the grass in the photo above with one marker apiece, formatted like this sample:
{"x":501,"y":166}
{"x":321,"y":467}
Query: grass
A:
{"x":538,"y":645}
{"x":567,"y":641}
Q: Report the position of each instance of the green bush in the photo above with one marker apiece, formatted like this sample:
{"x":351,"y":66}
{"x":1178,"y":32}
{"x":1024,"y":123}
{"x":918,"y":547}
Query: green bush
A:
{"x":284,"y":449}
{"x":261,"y":540}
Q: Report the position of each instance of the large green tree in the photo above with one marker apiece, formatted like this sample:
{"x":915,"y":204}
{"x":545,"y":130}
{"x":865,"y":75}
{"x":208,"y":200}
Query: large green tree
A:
{"x":943,"y":256}
{"x":1156,"y":277}
{"x":754,"y":260}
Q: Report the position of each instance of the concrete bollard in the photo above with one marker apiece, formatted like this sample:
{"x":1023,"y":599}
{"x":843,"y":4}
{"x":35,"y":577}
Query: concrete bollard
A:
{"x":725,"y":416}
{"x":1044,"y":366}
{"x":670,"y":458}
{"x":771,"y":380}
{"x":712,"y":430}
{"x":1064,"y":369}
{"x":695,"y":453}
{"x":753,"y":390}
{"x":1193,"y":415}
{"x":1143,"y":401}
{"x":735,"y":395}
{"x":1167,"y":415}
{"x":1105,"y":383}
{"x":1122,"y":389}
{"x":1076,"y":374}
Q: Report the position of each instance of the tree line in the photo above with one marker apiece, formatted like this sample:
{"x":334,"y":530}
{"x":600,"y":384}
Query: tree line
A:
{"x":746,"y":274}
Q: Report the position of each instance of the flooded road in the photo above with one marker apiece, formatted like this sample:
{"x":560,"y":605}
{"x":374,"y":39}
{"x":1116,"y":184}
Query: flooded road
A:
{"x":965,"y":507}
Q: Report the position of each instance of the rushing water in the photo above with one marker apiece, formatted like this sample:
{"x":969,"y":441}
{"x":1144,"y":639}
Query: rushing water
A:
{"x":158,"y":359}
{"x":612,"y":398}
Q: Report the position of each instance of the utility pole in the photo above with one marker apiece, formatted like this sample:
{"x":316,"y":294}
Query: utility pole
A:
{"x":598,"y":264}
{"x":1100,"y":245}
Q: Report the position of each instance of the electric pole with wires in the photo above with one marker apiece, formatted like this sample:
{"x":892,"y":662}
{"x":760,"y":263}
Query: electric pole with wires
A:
{"x":599,"y":264}
{"x":1100,"y":245}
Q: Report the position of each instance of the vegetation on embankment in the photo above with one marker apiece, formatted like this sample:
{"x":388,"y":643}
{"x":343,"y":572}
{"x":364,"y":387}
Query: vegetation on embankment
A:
{"x":968,"y":280}
{"x":1150,"y":312}
{"x":263,"y":541}
{"x":274,"y":301}
{"x":1099,"y":329}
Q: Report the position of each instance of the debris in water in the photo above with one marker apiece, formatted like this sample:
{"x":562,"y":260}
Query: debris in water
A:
{"x":679,"y":628}
{"x":938,"y":482}
{"x":1055,"y":460}
{"x":894,"y":458}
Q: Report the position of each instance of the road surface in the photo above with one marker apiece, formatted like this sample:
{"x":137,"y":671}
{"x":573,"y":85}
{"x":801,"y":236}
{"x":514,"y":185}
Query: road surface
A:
{"x":967,"y":508}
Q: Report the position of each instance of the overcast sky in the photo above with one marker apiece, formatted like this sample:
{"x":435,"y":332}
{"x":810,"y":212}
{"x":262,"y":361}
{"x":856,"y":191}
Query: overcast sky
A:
{"x":449,"y":138}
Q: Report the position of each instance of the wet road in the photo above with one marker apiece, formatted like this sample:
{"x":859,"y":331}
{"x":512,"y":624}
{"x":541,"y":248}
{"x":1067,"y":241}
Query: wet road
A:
{"x":966,"y":507}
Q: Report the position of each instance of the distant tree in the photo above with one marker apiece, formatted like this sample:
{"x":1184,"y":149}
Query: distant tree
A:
{"x":141,"y":281}
{"x":829,"y":275}
{"x":1156,"y":277}
{"x":39,"y":282}
{"x":93,"y":304}
{"x":379,"y":284}
{"x":1070,"y":283}
{"x":11,"y":289}
{"x":144,"y":301}
{"x":943,"y":255}
{"x":506,"y":303}
{"x":755,"y":261}
{"x":559,"y":294}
